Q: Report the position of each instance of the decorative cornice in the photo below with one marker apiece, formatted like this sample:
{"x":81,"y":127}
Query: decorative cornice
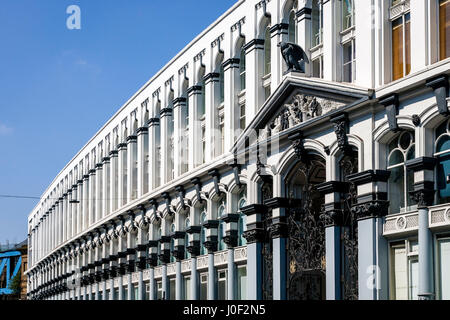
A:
{"x":165,"y":112}
{"x":131,"y":139}
{"x":252,"y":44}
{"x":194,"y":89}
{"x":421,"y":163}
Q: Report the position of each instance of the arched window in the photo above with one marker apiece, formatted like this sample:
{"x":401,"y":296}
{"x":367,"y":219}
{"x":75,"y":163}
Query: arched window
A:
{"x":172,"y":242}
{"x":317,"y":22}
{"x":442,"y":153}
{"x":187,"y":224}
{"x":267,"y":49}
{"x":401,"y":149}
{"x":158,"y":237}
{"x":202,"y":231}
{"x":292,"y":31}
{"x":221,"y":85}
{"x":242,"y":68}
{"x":222,"y":227}
{"x":242,"y":226}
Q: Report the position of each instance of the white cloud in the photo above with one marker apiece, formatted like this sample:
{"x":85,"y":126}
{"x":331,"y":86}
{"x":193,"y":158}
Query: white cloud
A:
{"x":4,"y":130}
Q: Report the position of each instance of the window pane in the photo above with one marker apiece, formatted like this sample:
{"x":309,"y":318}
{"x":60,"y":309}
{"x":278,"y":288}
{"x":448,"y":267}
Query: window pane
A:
{"x":408,"y":43}
{"x":172,"y":289}
{"x":396,"y":187}
{"x":242,"y":283}
{"x":292,"y":30}
{"x":444,"y":267}
{"x":187,"y":288}
{"x":222,"y":285}
{"x":444,"y":29}
{"x":347,"y":62}
{"x":267,"y":57}
{"x":399,"y":274}
{"x":396,"y":158}
{"x":347,"y":14}
{"x":397,"y":49}
{"x":413,"y":279}
{"x":443,"y":169}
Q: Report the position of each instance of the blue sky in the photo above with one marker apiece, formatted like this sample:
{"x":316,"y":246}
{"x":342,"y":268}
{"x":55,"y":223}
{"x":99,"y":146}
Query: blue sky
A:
{"x":59,"y":86}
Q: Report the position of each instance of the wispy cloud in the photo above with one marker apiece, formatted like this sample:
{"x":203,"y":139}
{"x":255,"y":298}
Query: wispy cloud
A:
{"x":5,"y":130}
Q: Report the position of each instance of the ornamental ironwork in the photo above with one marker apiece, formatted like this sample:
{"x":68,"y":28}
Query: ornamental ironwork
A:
{"x":306,"y":237}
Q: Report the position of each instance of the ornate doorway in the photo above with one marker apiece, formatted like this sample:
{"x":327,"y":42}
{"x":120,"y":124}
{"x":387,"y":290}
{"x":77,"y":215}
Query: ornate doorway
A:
{"x":306,"y":232}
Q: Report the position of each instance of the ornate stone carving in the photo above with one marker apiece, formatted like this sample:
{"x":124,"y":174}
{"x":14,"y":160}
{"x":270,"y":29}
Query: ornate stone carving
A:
{"x":424,"y":197}
{"x":301,"y":108}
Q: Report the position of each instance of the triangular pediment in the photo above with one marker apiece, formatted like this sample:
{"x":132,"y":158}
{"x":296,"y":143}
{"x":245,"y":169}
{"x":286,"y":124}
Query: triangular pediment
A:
{"x":298,"y":101}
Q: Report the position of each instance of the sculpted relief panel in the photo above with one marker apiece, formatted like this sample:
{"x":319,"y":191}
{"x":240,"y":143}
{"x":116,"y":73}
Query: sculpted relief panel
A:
{"x":301,"y":108}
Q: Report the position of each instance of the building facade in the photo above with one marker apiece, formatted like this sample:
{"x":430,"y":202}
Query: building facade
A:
{"x":228,"y":176}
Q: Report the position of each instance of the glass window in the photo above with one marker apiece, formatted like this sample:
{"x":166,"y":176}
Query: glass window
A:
{"x":187,"y":224}
{"x":136,"y":292}
{"x":203,"y":286}
{"x":348,"y":61}
{"x":203,"y":232}
{"x":348,"y":19}
{"x":404,"y":270}
{"x":317,"y":22}
{"x":125,"y":292}
{"x":116,"y":294}
{"x":242,"y":226}
{"x":242,"y":69}
{"x":147,"y":291}
{"x":267,"y":50}
{"x":292,"y":31}
{"x":242,"y":117}
{"x":187,"y":288}
{"x":317,"y":67}
{"x":444,"y":29}
{"x":159,"y":292}
{"x":443,"y":252}
{"x":222,"y":285}
{"x":172,"y":289}
{"x":221,"y":85}
{"x":442,"y":153}
{"x":401,"y":181}
{"x":242,"y":282}
{"x":222,"y":227}
{"x":401,"y":47}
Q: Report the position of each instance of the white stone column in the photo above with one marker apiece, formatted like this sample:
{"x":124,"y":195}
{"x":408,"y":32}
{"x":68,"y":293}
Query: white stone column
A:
{"x":278,"y":33}
{"x":131,"y":147}
{"x":165,"y":118}
{"x":106,"y":202}
{"x":211,"y":116}
{"x":142,"y":135}
{"x":195,"y":129}
{"x":92,"y":188}
{"x":85,"y":210}
{"x":231,"y":78}
{"x":113,"y":196}
{"x":153,"y":132}
{"x":122,"y":164}
{"x":329,"y":41}
{"x":254,"y":93}
{"x":98,"y":191}
{"x":178,"y":106}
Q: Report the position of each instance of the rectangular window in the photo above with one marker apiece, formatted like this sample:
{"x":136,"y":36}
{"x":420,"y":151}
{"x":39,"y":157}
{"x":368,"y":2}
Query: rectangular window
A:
{"x":124,"y":176}
{"x":204,"y":286}
{"x":203,"y":142}
{"x":125,"y":292}
{"x":116,"y":294}
{"x":172,"y":289}
{"x":444,"y":29}
{"x":222,"y":133}
{"x":317,"y":22}
{"x":348,"y":12}
{"x":404,"y":270}
{"x":401,"y":47}
{"x":242,"y":116}
{"x":159,"y":292}
{"x":187,"y":288}
{"x":317,"y":66}
{"x":443,"y":251}
{"x":222,"y":285}
{"x":147,"y":291}
{"x":242,"y":282}
{"x":348,"y":61}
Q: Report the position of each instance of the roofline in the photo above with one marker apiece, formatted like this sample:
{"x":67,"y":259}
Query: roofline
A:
{"x":140,"y":90}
